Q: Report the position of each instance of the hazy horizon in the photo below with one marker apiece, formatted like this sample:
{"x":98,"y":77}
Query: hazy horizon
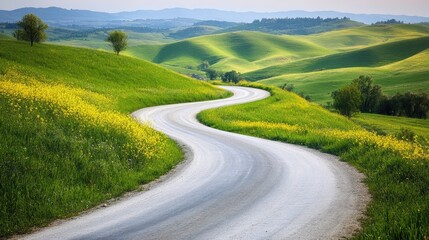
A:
{"x":394,"y":7}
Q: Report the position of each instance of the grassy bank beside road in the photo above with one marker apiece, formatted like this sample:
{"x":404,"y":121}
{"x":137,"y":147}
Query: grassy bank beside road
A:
{"x":397,"y":171}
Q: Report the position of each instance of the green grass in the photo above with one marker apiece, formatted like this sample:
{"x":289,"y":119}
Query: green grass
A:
{"x":194,"y":31}
{"x":392,"y":125}
{"x":355,"y":38}
{"x":4,"y":36}
{"x":242,"y":51}
{"x":132,"y":83}
{"x":319,"y":85}
{"x":399,"y":186}
{"x":374,"y":56}
{"x":396,"y":56}
{"x":75,"y":146}
{"x":96,"y":40}
{"x":409,"y":74}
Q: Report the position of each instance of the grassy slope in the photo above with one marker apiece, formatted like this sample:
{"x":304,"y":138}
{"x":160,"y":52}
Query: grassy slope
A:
{"x":374,"y":56}
{"x":406,"y":72}
{"x":393,"y":54}
{"x":132,"y":83}
{"x":295,"y":29}
{"x":400,"y":204}
{"x":393,"y":125}
{"x":355,"y":38}
{"x":96,"y":40}
{"x":242,"y":51}
{"x":67,"y":140}
{"x":5,"y":36}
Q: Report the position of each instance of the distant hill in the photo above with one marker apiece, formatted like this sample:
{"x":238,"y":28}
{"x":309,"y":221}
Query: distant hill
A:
{"x":291,"y":26}
{"x":299,"y":26}
{"x":194,"y":32}
{"x":54,"y":14}
{"x":64,"y":16}
{"x":219,"y":24}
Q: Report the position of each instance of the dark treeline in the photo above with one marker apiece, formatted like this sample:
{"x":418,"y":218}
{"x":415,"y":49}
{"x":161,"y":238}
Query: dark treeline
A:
{"x":299,"y":25}
{"x":372,"y":100}
{"x":389,"y":22}
{"x":9,"y":25}
{"x":408,"y":104}
{"x":289,"y":23}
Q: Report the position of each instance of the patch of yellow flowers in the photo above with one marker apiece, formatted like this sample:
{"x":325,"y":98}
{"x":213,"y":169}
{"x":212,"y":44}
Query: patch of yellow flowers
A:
{"x":73,"y":102}
{"x":407,"y":149}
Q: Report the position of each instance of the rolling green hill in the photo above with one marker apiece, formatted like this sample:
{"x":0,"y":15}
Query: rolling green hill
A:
{"x":397,"y":66}
{"x":316,"y":64}
{"x":194,"y":31}
{"x":131,"y":82}
{"x":241,"y":51}
{"x":374,"y":56}
{"x":410,"y":74}
{"x":355,"y":38}
{"x":67,"y":140}
{"x":296,"y":26}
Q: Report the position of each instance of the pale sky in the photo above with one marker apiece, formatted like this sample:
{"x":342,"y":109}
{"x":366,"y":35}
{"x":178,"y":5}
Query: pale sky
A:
{"x":397,"y":7}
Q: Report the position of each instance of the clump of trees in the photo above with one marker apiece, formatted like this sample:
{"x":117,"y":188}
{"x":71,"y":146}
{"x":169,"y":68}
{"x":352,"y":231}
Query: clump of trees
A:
{"x":363,"y":96}
{"x":389,"y":22}
{"x":227,"y":77}
{"x":297,"y":25}
{"x":32,"y":29}
{"x":212,"y":74}
{"x":231,"y":76}
{"x":118,"y":40}
{"x":407,"y":104}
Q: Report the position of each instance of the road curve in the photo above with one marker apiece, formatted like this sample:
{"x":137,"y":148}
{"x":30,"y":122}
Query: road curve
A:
{"x":231,"y":187}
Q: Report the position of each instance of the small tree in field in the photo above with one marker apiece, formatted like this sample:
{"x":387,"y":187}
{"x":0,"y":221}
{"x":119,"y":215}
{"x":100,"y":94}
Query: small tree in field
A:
{"x":119,"y":40}
{"x":32,"y":29}
{"x":347,"y":100}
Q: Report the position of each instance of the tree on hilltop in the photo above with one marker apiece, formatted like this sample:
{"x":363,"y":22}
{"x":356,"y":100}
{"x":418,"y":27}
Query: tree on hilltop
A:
{"x":119,"y":40}
{"x":32,"y":29}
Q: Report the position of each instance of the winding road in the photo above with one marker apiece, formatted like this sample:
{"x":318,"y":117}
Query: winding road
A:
{"x":230,"y":187}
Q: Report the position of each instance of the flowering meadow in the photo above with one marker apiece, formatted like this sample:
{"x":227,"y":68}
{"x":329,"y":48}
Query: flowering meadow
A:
{"x":397,"y":169}
{"x":61,"y":154}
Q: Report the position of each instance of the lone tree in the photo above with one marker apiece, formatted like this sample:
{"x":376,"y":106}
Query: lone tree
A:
{"x":118,"y":39}
{"x":347,"y":100}
{"x":32,"y":29}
